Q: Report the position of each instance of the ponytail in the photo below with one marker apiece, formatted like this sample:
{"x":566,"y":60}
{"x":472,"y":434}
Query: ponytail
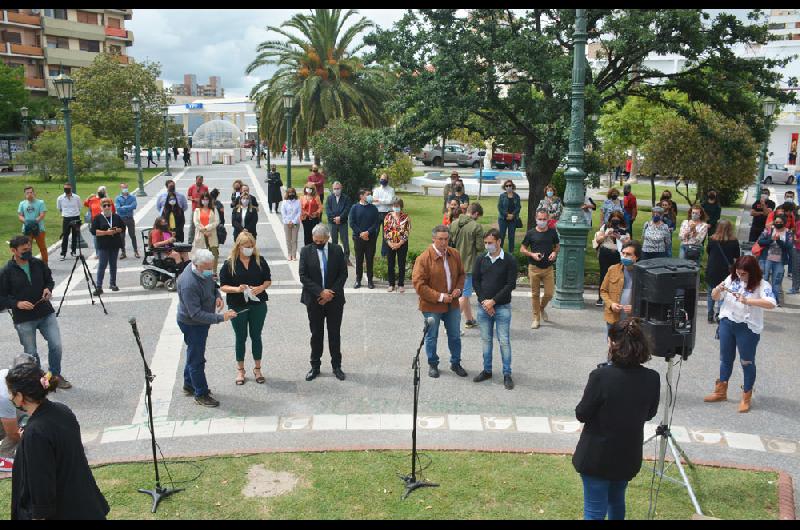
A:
{"x":30,"y":381}
{"x":629,"y":345}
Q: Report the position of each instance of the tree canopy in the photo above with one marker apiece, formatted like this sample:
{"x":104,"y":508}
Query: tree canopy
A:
{"x":13,"y":96}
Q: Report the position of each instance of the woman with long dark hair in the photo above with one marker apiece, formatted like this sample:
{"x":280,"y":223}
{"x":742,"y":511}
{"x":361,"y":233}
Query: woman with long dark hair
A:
{"x":620,"y":396}
{"x":174,"y":215}
{"x":608,"y":241}
{"x":723,"y":249}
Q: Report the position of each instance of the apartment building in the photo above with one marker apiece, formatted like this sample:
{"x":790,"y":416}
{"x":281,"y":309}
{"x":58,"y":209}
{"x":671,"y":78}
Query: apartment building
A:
{"x":190,"y":87}
{"x":46,"y":42}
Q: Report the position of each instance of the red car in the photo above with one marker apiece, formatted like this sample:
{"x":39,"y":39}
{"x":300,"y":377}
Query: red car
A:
{"x":248,"y":144}
{"x":501,"y":159}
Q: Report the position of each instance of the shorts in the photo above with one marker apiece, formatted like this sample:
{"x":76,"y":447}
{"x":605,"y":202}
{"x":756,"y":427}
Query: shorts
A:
{"x":467,"y":286}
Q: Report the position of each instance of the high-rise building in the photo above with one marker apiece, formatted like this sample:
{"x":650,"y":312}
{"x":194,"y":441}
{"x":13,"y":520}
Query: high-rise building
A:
{"x":190,"y":87}
{"x":46,"y":42}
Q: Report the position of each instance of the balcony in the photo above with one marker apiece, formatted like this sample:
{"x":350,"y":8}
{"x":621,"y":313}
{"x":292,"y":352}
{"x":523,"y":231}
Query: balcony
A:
{"x":22,"y":18}
{"x":116,"y":32}
{"x":34,"y":82}
{"x":24,"y":49}
{"x":126,"y":13}
{"x":68,"y":57}
{"x":74,"y":30}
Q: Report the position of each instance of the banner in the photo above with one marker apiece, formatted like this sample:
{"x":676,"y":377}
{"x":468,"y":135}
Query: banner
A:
{"x":793,"y":150}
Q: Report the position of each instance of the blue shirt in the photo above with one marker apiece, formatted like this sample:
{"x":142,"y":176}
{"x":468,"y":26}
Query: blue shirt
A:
{"x":31,"y":210}
{"x":126,"y":204}
{"x":364,"y":218}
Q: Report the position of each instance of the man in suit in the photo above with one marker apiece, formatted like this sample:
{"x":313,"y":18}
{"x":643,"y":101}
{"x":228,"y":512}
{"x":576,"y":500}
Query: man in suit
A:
{"x":323,"y":272}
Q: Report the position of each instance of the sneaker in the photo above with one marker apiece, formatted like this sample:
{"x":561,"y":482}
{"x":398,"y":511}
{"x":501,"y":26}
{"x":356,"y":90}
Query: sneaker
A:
{"x":458,"y":370}
{"x":189,"y":391}
{"x":206,"y":400}
{"x":433,"y":371}
{"x":6,"y":464}
{"x":544,"y":316}
{"x":599,"y":303}
{"x":97,"y":292}
{"x":792,"y":291}
{"x":114,"y":288}
{"x":63,"y":384}
{"x":483,"y":376}
{"x":535,"y":323}
{"x":64,"y":257}
{"x":471,"y":324}
{"x":508,"y":382}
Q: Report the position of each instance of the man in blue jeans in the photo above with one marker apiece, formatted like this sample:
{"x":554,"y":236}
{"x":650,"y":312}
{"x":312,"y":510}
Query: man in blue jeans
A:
{"x":198,"y":303}
{"x":26,"y":286}
{"x":494,"y":276}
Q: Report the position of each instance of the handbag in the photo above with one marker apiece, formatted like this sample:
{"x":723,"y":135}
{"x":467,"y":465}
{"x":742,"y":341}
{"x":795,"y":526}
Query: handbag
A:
{"x":518,"y":223}
{"x":757,"y":249}
{"x":692,"y":252}
{"x":222,"y":234}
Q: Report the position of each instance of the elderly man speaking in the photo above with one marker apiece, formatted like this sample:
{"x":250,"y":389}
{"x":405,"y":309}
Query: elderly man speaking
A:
{"x":198,"y":301}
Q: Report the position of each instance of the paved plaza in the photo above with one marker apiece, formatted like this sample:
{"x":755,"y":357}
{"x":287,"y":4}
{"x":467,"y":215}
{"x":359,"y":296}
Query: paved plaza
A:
{"x":380,"y":333}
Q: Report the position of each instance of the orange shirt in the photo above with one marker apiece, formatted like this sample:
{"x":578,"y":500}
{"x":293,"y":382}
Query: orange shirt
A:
{"x":309,"y":207}
{"x":204,"y":215}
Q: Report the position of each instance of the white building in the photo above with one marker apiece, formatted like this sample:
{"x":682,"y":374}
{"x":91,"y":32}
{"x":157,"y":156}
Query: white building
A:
{"x":192,"y":114}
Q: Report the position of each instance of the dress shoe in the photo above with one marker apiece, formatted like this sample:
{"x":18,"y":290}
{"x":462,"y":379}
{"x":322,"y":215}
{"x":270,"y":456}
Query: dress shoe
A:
{"x":123,"y":256}
{"x":114,"y":288}
{"x":599,"y":303}
{"x":508,"y":382}
{"x":97,"y":292}
{"x":357,"y":285}
{"x":433,"y":371}
{"x":338,"y":373}
{"x":312,"y":374}
{"x":63,"y":257}
{"x":370,"y":285}
{"x":458,"y":370}
{"x":188,"y":391}
{"x":483,"y":376}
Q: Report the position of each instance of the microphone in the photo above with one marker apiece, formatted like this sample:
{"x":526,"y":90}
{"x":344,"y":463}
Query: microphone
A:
{"x":132,"y":322}
{"x":428,"y":323}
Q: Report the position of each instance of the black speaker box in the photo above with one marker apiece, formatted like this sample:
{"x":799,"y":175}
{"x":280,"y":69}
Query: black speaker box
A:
{"x":665,"y":298}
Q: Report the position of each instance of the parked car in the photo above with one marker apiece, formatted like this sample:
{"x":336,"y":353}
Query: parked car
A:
{"x":778,"y":174}
{"x":502,"y":159}
{"x":248,"y":144}
{"x":433,"y":155}
{"x":472,"y":158}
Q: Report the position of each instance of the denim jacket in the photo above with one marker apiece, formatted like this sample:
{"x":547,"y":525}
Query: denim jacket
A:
{"x":125,"y":205}
{"x":502,"y":205}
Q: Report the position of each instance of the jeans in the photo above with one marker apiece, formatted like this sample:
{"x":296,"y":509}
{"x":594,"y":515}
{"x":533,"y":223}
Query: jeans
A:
{"x":467,"y":291}
{"x":510,"y":227}
{"x":253,"y":319}
{"x":537,"y":277}
{"x":601,"y":497}
{"x":452,"y":325}
{"x":48,"y":327}
{"x":107,"y":257}
{"x":66,"y":231}
{"x":129,"y":225}
{"x":398,"y":255}
{"x":338,"y":231}
{"x":502,"y":322}
{"x":733,"y":335}
{"x":194,"y":374}
{"x":773,"y":273}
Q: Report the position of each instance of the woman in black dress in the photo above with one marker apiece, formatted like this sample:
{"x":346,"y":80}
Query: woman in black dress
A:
{"x":173,"y":214}
{"x":274,"y":184}
{"x":51,"y":478}
{"x":723,"y":249}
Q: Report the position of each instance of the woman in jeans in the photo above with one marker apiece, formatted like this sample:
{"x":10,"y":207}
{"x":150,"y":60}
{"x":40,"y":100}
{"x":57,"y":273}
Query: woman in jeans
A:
{"x":723,"y":250}
{"x":620,"y":396}
{"x":310,"y":211}
{"x":777,"y":242}
{"x":290,"y":215}
{"x":745,"y":296}
{"x":608,"y":241}
{"x":205,"y":220}
{"x":509,"y":206}
{"x":396,"y":228}
{"x":107,"y":227}
{"x":693,"y":232}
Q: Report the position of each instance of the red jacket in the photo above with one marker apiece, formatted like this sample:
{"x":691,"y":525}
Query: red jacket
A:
{"x":195,"y":193}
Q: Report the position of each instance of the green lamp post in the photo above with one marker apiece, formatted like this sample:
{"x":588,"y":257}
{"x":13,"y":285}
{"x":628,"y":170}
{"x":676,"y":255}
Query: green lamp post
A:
{"x":24,"y":112}
{"x":137,"y":107}
{"x":768,"y":106}
{"x":288,"y":102}
{"x":64,"y":84}
{"x":258,"y":137}
{"x":165,"y":114}
{"x":571,"y":227}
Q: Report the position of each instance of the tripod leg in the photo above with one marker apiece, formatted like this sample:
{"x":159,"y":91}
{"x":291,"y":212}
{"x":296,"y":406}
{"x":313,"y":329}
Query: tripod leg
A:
{"x":90,"y":283}
{"x":685,"y":478}
{"x":66,"y":289}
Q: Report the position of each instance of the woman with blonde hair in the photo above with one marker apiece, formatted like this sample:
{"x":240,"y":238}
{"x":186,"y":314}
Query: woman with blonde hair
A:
{"x":310,"y":211}
{"x":244,"y":278}
{"x":205,"y":220}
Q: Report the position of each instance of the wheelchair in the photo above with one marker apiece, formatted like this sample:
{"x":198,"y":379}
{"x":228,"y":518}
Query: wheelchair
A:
{"x":158,"y":267}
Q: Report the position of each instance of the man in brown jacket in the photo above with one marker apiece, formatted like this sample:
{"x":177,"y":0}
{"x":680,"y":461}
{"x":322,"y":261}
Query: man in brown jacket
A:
{"x":618,"y":284}
{"x":438,"y":278}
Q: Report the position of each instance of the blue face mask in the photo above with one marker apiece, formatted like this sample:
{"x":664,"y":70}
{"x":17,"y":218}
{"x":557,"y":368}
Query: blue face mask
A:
{"x":208,"y":274}
{"x":395,"y":209}
{"x":656,"y":218}
{"x":368,"y":198}
{"x":549,"y":193}
{"x":626,"y":262}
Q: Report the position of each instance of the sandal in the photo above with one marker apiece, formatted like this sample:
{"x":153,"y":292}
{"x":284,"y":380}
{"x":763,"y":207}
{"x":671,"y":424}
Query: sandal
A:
{"x":259,"y":377}
{"x":240,"y":378}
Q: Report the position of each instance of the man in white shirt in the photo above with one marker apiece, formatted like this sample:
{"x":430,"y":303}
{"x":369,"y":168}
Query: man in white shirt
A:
{"x":383,"y":198}
{"x":69,"y":204}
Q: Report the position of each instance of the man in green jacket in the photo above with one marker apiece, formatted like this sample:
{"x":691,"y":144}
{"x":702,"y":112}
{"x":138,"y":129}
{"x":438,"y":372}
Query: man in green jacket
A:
{"x":466,"y":235}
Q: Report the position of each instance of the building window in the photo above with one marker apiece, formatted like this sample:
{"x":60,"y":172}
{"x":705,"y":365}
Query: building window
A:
{"x":57,"y":42}
{"x":12,"y":37}
{"x":54,"y":71}
{"x":114,"y":50}
{"x":114,"y":23}
{"x":89,"y":45}
{"x":777,"y":26}
{"x":87,"y":18}
{"x":60,"y":14}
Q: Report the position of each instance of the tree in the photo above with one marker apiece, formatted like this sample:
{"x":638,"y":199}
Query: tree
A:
{"x":515,"y":71}
{"x":321,"y":68}
{"x":351,"y":153}
{"x":13,"y":96}
{"x":103,"y":93}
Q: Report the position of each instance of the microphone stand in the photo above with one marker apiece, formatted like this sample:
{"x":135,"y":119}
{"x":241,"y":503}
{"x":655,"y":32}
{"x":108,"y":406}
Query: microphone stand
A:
{"x":411,"y":481}
{"x":158,"y":492}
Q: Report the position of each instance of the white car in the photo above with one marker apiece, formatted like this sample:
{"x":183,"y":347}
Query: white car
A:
{"x":777,"y":174}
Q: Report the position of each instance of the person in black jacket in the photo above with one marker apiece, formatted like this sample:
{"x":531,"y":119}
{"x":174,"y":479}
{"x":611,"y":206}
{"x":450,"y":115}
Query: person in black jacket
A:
{"x":26,"y":287}
{"x":620,"y":396}
{"x":323,"y":272}
{"x":337,"y":207}
{"x":244,"y":216}
{"x":274,"y":184}
{"x":723,"y":250}
{"x":51,"y":478}
{"x":107,"y":227}
{"x":494,"y":276}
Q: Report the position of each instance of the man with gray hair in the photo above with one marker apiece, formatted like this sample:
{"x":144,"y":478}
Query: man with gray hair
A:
{"x":323,"y":272}
{"x":199,"y":301}
{"x":337,"y":207}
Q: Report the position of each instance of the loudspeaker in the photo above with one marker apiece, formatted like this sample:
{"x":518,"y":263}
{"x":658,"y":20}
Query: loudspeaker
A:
{"x":665,"y":298}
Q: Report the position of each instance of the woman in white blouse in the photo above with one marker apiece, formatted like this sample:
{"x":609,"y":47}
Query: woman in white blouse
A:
{"x":692,"y":234}
{"x":745,"y":295}
{"x":290,"y":214}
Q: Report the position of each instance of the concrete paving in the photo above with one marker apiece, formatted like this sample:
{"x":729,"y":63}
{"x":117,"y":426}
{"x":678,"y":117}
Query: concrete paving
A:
{"x":372,"y":408}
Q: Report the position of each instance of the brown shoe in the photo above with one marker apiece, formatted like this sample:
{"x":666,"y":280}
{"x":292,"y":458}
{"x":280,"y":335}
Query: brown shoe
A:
{"x":720,"y":392}
{"x":744,"y":405}
{"x":63,"y":384}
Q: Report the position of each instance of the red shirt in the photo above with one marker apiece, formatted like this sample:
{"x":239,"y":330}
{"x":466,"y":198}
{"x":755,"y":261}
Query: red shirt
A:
{"x":318,"y":179}
{"x":629,"y":203}
{"x":628,"y":165}
{"x":195,"y":193}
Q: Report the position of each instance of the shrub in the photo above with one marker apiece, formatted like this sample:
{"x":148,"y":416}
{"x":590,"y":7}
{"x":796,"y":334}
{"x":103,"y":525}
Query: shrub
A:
{"x":400,"y":171}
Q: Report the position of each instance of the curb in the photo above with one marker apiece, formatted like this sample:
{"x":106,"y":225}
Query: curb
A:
{"x":786,"y":509}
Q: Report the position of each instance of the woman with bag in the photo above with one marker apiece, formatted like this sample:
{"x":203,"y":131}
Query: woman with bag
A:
{"x":692,"y":234}
{"x":509,"y":206}
{"x":776,"y":243}
{"x":723,"y":250}
{"x":205,"y":222}
{"x":608,"y":242}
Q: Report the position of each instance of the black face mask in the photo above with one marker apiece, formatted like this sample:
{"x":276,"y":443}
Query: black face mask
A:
{"x":320,"y":246}
{"x":778,"y":225}
{"x":614,"y":197}
{"x":171,"y":188}
{"x":67,"y":190}
{"x":26,"y":256}
{"x":291,"y":196}
{"x":101,"y":194}
{"x":162,"y":227}
{"x":615,"y":222}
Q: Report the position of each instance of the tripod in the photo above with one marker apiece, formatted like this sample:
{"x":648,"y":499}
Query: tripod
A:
{"x":411,"y":481}
{"x":86,"y":274}
{"x":666,"y":439}
{"x":158,"y":492}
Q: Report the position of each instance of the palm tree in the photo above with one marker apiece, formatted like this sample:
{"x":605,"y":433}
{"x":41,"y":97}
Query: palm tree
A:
{"x":322,"y":71}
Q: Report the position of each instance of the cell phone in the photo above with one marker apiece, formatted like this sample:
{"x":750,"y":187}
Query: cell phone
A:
{"x":242,"y":311}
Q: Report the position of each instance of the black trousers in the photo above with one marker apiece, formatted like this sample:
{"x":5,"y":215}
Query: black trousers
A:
{"x":317,"y":315}
{"x":66,"y":230}
{"x":364,"y":249}
{"x":399,"y":255}
{"x":308,"y":226}
{"x":607,"y":258}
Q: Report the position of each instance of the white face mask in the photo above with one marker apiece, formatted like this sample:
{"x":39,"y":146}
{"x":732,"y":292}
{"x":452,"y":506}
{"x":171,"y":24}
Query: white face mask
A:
{"x":245,"y":202}
{"x":491,"y":248}
{"x":541,"y":224}
{"x":247,"y":251}
{"x":337,"y":192}
{"x":204,"y":202}
{"x":695,"y":216}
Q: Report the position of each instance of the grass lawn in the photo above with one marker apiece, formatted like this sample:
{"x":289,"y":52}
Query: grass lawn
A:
{"x":365,"y":485}
{"x":11,"y":194}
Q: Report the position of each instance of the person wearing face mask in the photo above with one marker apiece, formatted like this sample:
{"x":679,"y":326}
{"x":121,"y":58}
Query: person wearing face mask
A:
{"x":169,"y":187}
{"x":162,"y":241}
{"x":509,"y":206}
{"x":552,"y":205}
{"x":337,"y":208}
{"x":494,"y":276}
{"x":692,"y":234}
{"x":713,"y":210}
{"x":541,"y":245}
{"x":364,"y":225}
{"x":787,"y":210}
{"x":656,"y":236}
{"x":94,"y":209}
{"x":671,"y":210}
{"x":290,"y":216}
{"x":107,"y":228}
{"x":745,"y":296}
{"x":126,"y":204}
{"x":630,"y":206}
{"x":205,"y":219}
{"x":608,"y":241}
{"x":236,"y":193}
{"x":612,"y":204}
{"x":617,"y":286}
{"x":459,"y":195}
{"x":449,"y":190}
{"x":776,"y":244}
{"x":174,"y":214}
{"x":274,"y":184}
{"x":244,"y":216}
{"x":244,"y":278}
{"x":383,"y":197}
{"x":317,"y":179}
{"x":199,"y":304}
{"x":69,"y":204}
{"x":195,"y":191}
{"x":466,"y":236}
{"x":26,"y":287}
{"x":396,"y":229}
{"x":310,"y":211}
{"x":759,"y":211}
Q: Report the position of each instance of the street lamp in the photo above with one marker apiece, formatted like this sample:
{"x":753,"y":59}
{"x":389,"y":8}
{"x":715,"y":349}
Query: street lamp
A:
{"x":64,"y":84}
{"x":165,"y":114}
{"x":287,"y":106}
{"x":768,"y":107}
{"x":137,"y":107}
{"x":571,"y":228}
{"x":258,"y":137}
{"x":24,"y":112}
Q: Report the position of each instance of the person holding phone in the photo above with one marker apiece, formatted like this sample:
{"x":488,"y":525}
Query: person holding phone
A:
{"x":541,"y":245}
{"x":617,"y":286}
{"x":107,"y":227}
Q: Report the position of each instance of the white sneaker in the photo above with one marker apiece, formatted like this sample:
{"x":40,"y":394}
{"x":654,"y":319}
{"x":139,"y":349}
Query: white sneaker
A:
{"x":6,"y":464}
